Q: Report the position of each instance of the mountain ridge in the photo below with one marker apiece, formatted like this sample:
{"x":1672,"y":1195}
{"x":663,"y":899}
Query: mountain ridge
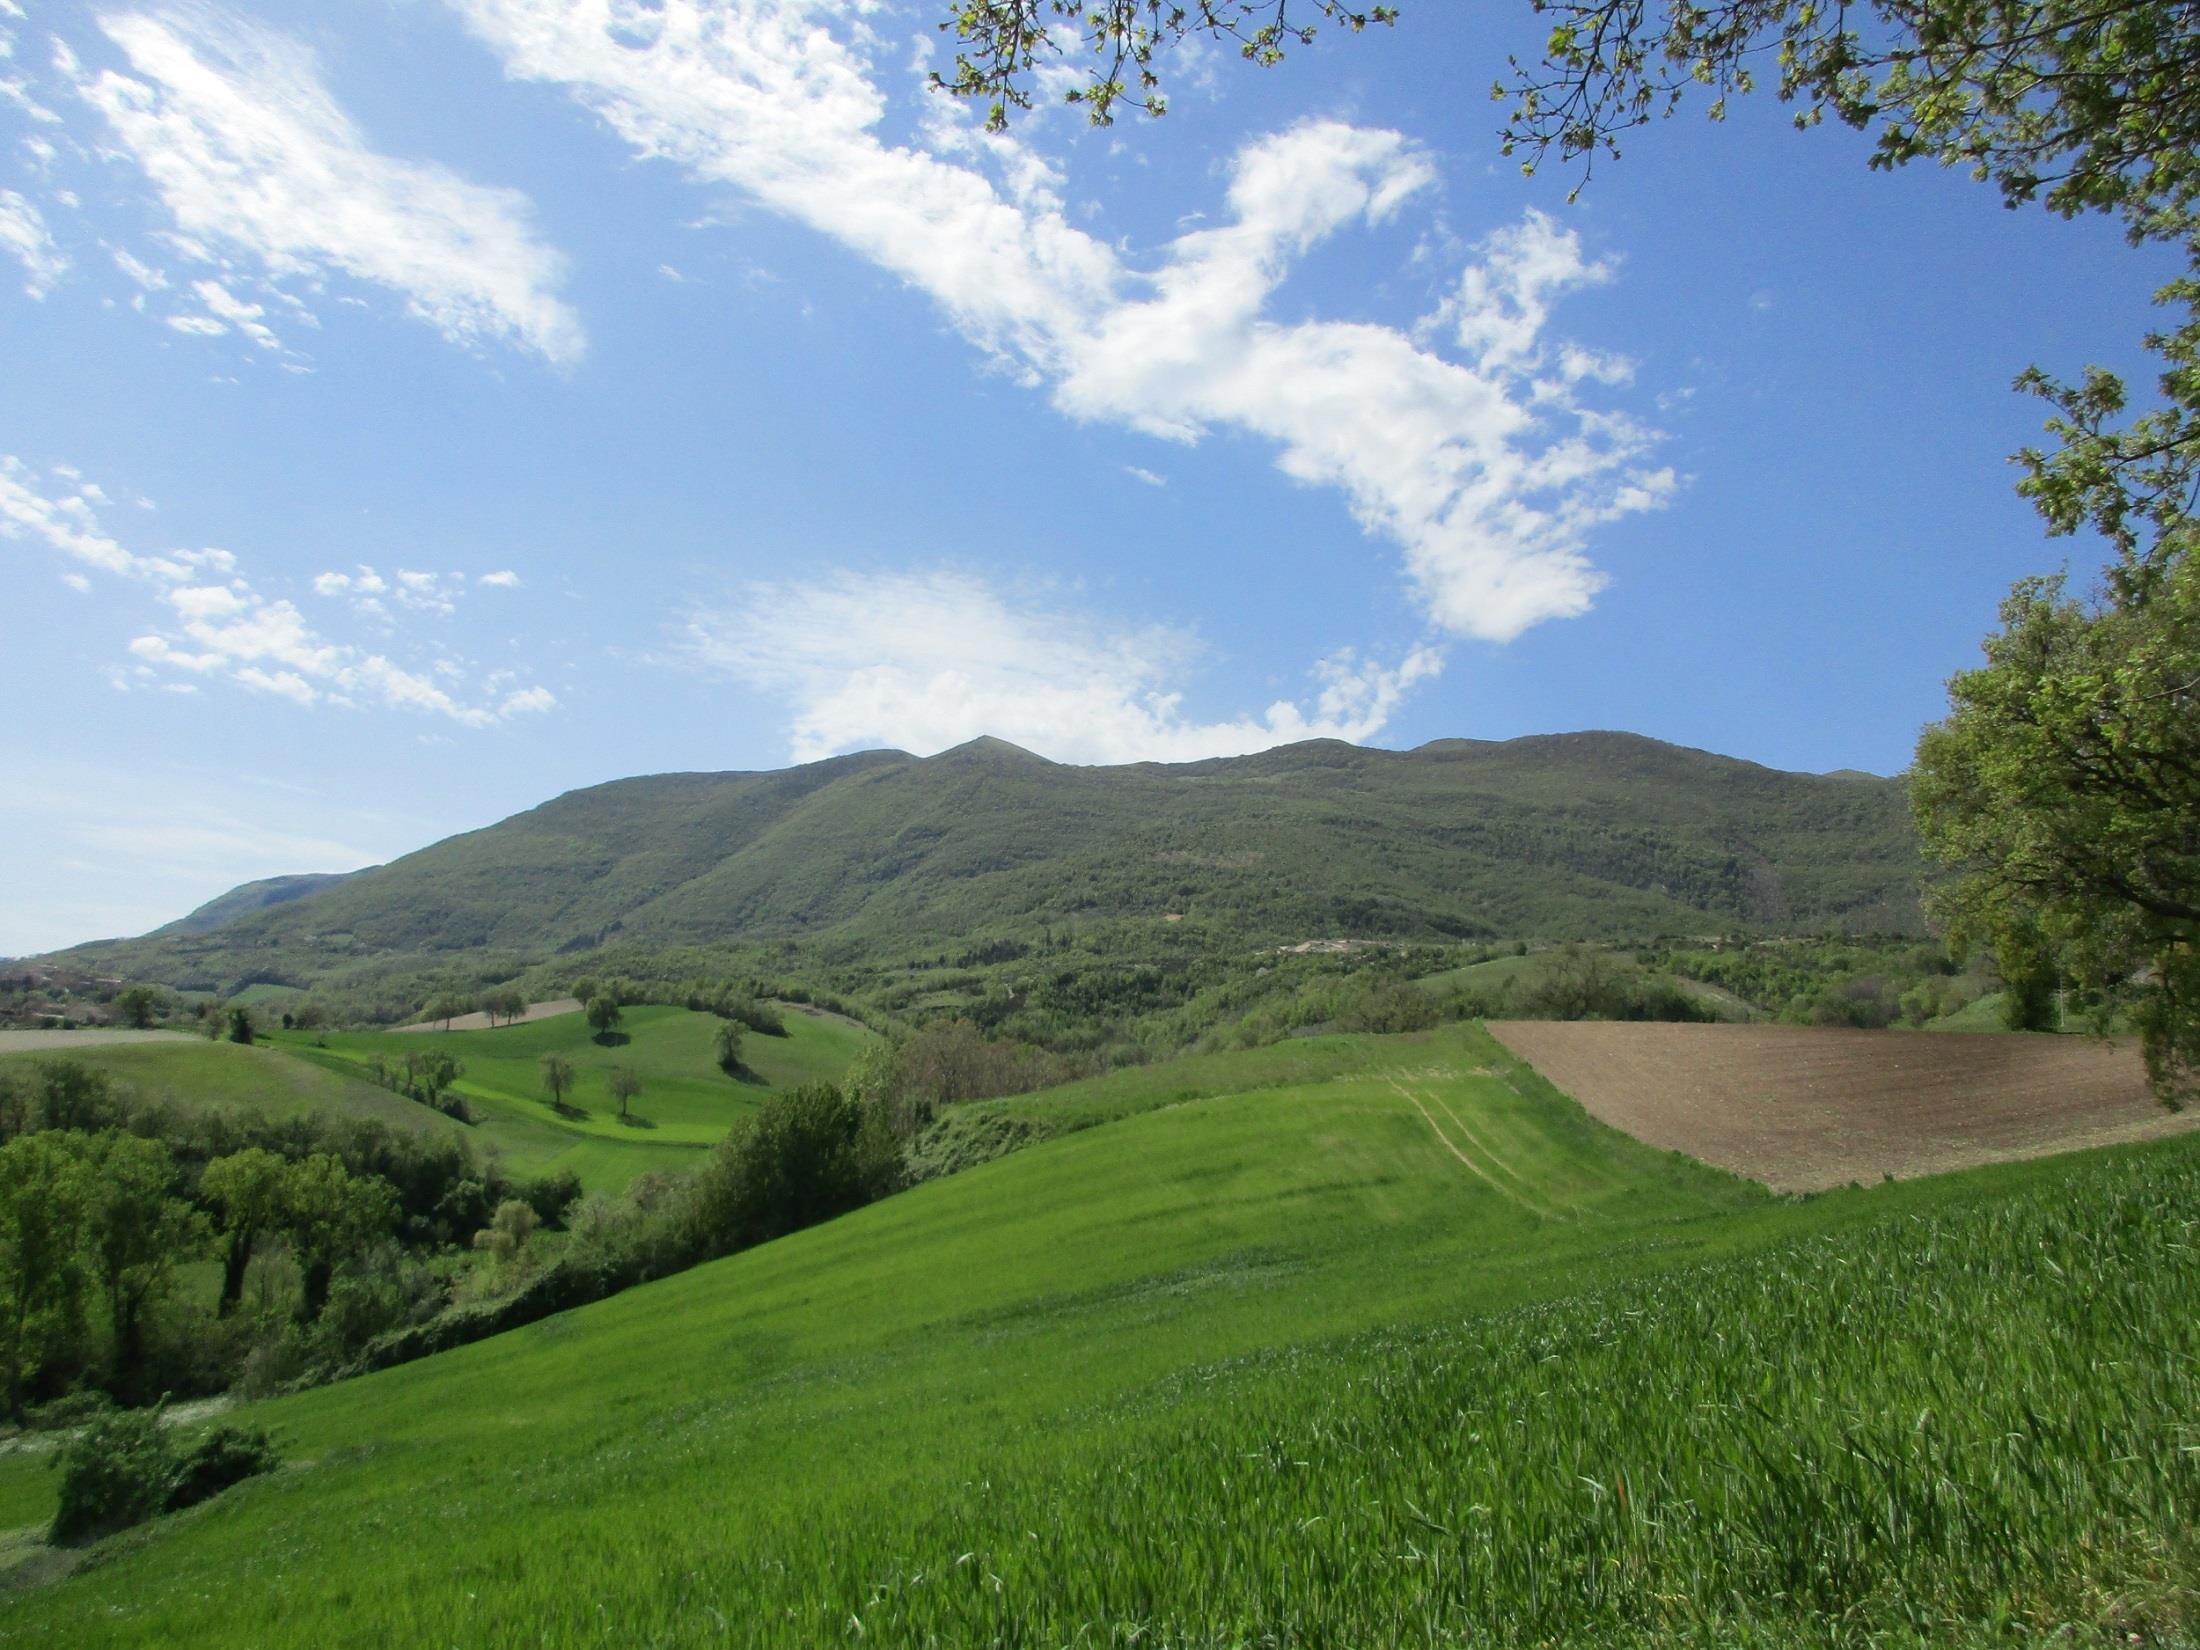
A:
{"x":1576,"y":835}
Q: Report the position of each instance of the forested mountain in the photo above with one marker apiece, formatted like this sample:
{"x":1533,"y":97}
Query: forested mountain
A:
{"x":885,"y":854}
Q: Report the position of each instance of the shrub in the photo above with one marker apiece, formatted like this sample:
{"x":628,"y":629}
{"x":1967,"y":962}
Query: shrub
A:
{"x":226,"y":1455}
{"x":117,"y":1472}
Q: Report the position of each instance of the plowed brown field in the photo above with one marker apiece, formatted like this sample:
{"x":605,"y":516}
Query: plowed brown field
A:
{"x":1801,"y":1109}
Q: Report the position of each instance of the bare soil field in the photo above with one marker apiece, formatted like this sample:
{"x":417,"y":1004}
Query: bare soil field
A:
{"x":1801,"y":1109}
{"x":60,"y":1042}
{"x":480,"y":1022}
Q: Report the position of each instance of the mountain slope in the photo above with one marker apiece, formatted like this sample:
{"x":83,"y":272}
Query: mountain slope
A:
{"x":1576,"y":835}
{"x":248,"y":897}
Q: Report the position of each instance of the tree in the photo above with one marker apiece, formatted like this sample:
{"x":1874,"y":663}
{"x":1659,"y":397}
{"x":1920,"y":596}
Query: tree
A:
{"x":136,"y":1232}
{"x":42,"y":1192}
{"x":247,"y":1192}
{"x":725,"y":1046}
{"x":449,"y":1006}
{"x":1002,"y":43}
{"x":238,"y":1022}
{"x":805,"y":1156}
{"x":331,"y":1213}
{"x":625,"y":1087}
{"x":604,"y":1015}
{"x":507,"y":1233}
{"x":557,"y":1079}
{"x":2064,"y":789}
{"x":506,"y":1002}
{"x":140,"y":1005}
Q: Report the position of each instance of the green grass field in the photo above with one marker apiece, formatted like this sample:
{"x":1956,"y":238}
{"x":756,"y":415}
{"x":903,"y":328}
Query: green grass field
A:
{"x":259,"y":1078}
{"x":1396,"y":1347}
{"x":686,"y":1102}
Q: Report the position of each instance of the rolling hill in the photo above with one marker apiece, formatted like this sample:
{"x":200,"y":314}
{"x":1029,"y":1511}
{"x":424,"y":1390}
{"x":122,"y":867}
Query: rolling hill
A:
{"x":1398,"y":1346}
{"x":1567,"y":836}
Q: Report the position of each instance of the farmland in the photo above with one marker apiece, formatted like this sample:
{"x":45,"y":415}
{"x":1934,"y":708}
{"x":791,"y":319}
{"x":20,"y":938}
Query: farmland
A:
{"x":1396,"y":1345}
{"x":1803,"y":1108}
{"x":686,"y":1102}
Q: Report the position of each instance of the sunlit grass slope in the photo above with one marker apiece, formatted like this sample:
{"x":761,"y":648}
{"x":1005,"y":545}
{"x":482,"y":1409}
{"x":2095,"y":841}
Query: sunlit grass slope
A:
{"x":257,"y":1078}
{"x":686,"y":1101}
{"x":1404,"y":1351}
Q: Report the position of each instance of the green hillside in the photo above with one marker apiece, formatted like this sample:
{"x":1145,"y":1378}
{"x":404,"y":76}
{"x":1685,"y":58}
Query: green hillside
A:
{"x":270,"y":1081}
{"x":686,"y":1102}
{"x":885,"y":856}
{"x":1401,"y":1347}
{"x":249,"y":897}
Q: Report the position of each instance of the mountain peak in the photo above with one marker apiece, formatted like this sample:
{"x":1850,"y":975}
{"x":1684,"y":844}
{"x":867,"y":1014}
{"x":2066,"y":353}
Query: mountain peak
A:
{"x":988,"y":748}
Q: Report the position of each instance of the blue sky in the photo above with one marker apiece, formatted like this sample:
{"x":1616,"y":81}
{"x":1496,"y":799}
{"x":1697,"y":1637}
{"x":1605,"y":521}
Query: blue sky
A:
{"x":412,"y":410}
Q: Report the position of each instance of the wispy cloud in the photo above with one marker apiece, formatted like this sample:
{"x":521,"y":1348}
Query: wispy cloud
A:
{"x":215,"y":626}
{"x":253,"y":156}
{"x":1482,"y":465}
{"x":923,"y":661}
{"x":24,"y":234}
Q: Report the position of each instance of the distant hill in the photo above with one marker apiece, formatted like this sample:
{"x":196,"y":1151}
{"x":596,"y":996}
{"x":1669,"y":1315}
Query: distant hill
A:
{"x":883,"y":854}
{"x":246,"y":898}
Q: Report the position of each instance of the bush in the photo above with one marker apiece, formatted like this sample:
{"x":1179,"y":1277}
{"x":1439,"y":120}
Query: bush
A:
{"x":226,"y":1455}
{"x":117,"y":1472}
{"x":804,"y":1157}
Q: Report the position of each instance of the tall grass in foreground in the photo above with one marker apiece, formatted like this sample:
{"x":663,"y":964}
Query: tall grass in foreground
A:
{"x":1971,"y":1425}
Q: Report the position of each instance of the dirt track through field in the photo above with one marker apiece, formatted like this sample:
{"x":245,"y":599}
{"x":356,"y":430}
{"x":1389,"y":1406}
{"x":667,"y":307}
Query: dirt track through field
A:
{"x":480,"y":1022}
{"x":60,"y":1042}
{"x":1802,"y":1108}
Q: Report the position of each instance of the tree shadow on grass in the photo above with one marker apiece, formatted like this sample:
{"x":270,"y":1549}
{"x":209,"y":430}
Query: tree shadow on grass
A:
{"x":748,"y":1076}
{"x":611,"y":1039}
{"x":634,"y":1120}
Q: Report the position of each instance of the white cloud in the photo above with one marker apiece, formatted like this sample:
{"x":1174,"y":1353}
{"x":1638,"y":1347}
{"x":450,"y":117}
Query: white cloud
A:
{"x":1140,"y":473}
{"x":216,"y":625}
{"x":252,"y":155}
{"x":923,"y":661}
{"x":503,"y":579}
{"x":23,"y":233}
{"x":1485,"y":470}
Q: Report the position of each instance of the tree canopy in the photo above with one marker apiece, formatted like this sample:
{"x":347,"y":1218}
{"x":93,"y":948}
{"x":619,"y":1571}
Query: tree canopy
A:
{"x":1002,"y":44}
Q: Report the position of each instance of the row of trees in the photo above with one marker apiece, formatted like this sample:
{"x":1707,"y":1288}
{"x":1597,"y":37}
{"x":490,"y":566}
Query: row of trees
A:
{"x":328,"y":1233}
{"x":112,"y":1217}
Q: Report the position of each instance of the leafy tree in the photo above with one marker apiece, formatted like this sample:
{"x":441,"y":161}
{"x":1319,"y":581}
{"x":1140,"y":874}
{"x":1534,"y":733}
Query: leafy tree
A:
{"x":725,"y":1046}
{"x":238,"y":1024}
{"x":247,"y":1191}
{"x":42,"y":1195}
{"x":604,"y":1015}
{"x":140,"y":1005}
{"x":2064,"y":788}
{"x":135,"y":1233}
{"x":507,"y":1233}
{"x":331,"y":1213}
{"x":557,"y":1079}
{"x":625,"y":1087}
{"x":805,"y":1156}
{"x":506,"y":1003}
{"x":1002,"y":43}
{"x":449,"y":1006}
{"x":72,"y":1095}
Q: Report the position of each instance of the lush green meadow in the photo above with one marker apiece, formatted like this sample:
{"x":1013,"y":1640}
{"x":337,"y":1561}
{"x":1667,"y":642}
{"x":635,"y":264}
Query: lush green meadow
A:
{"x":686,"y":1101}
{"x":1397,"y":1347}
{"x":254,"y":1078}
